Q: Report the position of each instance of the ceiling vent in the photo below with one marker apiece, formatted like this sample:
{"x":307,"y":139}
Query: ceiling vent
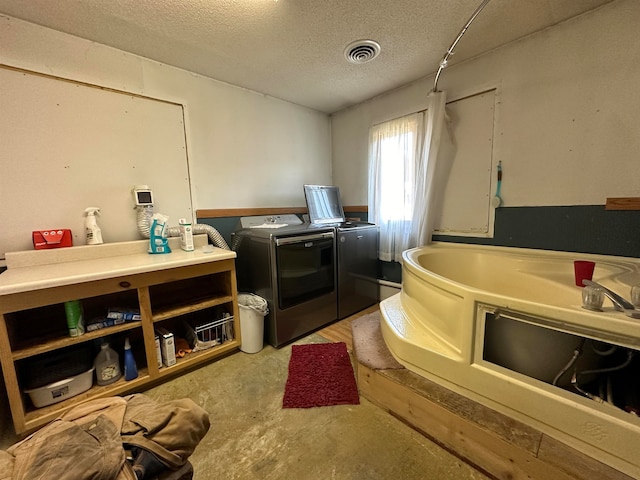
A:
{"x":362,"y":51}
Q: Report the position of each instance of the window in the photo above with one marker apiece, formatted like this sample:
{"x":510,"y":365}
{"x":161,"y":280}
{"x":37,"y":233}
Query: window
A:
{"x":421,"y":181}
{"x":394,"y":150}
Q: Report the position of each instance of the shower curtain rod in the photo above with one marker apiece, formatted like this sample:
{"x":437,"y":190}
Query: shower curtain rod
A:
{"x":443,"y":63}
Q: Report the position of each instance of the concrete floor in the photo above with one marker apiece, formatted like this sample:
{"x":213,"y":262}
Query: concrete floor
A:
{"x":253,"y":437}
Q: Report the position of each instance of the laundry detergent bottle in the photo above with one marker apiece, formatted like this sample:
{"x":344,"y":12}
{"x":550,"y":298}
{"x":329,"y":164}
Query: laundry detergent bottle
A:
{"x":107,"y":365}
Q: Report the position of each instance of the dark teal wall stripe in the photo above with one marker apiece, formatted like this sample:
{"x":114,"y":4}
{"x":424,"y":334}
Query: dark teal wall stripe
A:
{"x":583,"y":229}
{"x":224,"y":225}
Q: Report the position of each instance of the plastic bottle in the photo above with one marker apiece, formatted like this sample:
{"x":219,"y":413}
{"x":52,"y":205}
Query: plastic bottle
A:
{"x":75,"y":318}
{"x":130,"y":368}
{"x":107,"y":365}
{"x":91,"y":228}
{"x":158,"y":243}
{"x":186,"y":235}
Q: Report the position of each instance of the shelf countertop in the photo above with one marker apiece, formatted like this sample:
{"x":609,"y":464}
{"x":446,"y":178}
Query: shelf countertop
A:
{"x":42,"y":269}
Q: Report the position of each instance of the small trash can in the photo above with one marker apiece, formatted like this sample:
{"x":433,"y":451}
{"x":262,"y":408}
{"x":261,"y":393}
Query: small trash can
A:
{"x":253,"y":309}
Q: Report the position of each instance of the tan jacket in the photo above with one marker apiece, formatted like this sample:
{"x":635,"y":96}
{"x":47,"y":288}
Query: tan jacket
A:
{"x":88,"y":441}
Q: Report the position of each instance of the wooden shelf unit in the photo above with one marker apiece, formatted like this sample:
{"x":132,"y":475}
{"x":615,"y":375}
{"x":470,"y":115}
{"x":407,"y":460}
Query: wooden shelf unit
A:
{"x":24,"y":334}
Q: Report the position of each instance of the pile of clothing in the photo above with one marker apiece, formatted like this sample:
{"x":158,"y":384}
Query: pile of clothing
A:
{"x":121,"y":438}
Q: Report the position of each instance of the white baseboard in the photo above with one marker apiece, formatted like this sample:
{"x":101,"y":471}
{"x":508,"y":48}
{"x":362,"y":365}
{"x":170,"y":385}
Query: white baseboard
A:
{"x":388,"y":289}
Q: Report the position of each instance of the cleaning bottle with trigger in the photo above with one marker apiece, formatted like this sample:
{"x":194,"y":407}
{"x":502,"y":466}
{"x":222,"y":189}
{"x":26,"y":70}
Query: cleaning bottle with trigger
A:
{"x":130,"y":368}
{"x":91,"y":228}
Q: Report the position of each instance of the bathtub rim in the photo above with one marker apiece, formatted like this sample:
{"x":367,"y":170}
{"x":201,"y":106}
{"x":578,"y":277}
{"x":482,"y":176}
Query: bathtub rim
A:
{"x":625,"y":329}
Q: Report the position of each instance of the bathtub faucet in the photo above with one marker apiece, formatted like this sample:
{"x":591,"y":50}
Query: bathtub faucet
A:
{"x":619,"y":303}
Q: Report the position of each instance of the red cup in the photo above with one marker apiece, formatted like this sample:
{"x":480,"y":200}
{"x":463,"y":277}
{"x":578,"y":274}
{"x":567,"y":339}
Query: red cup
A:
{"x":583,"y":270}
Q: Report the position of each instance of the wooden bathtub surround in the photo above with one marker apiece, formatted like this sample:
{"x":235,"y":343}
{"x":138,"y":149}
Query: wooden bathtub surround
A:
{"x":493,"y":442}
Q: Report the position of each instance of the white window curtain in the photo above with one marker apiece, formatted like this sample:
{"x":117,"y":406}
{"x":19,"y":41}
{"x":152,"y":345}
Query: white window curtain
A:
{"x":394,"y":149}
{"x":405,"y":187}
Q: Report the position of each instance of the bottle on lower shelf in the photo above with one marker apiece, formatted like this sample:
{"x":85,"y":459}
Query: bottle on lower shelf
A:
{"x":107,"y":365}
{"x":130,"y":368}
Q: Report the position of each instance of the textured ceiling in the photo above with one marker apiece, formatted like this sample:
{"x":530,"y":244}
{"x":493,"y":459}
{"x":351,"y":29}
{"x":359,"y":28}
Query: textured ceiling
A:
{"x":294,"y":49}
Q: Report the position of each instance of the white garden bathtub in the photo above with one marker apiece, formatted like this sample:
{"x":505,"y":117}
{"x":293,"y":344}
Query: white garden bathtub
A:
{"x":442,"y":326}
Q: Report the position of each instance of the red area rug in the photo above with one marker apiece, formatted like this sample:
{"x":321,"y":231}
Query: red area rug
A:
{"x":320,"y":374}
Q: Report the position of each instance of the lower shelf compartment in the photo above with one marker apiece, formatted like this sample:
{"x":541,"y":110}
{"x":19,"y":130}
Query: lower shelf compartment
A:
{"x":35,"y":418}
{"x":40,"y":416}
{"x":194,"y":359}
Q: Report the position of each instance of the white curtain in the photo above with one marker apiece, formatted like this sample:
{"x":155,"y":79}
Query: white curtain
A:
{"x":405,"y":188}
{"x":394,"y":148}
{"x":437,"y":148}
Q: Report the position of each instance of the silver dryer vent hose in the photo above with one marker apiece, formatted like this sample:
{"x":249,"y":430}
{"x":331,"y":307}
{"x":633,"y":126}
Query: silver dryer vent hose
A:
{"x":144,"y":219}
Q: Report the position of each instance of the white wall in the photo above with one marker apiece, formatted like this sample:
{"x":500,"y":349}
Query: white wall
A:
{"x":567,"y":118}
{"x":69,"y":146}
{"x":245,"y":149}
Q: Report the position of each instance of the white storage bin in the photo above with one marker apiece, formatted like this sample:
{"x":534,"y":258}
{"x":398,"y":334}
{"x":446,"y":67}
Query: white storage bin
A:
{"x":61,"y":390}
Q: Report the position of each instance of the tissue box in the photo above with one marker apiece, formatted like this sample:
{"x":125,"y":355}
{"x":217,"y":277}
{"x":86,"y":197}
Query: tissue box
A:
{"x":53,"y":238}
{"x":158,"y":352}
{"x":167,"y":346}
{"x":126,"y":314}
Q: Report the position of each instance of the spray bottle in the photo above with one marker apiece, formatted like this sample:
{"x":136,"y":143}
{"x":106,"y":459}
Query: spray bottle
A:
{"x":91,"y":228}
